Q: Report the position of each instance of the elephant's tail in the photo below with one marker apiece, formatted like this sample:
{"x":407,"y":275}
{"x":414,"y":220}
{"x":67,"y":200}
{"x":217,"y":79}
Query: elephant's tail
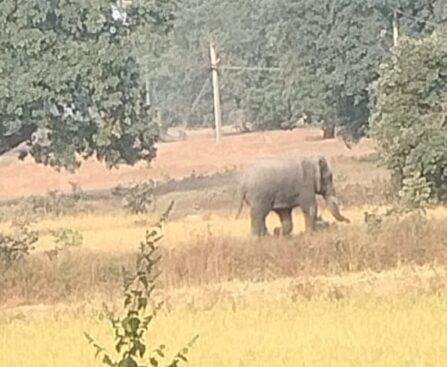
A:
{"x":241,"y":197}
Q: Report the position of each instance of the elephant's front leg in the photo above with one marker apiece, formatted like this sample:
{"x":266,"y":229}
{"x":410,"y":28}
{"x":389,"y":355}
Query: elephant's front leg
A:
{"x":258,"y":213}
{"x":285,"y":216}
{"x":310,"y":215}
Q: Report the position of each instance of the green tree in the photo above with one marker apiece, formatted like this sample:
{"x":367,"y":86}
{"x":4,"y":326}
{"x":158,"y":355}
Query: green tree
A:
{"x":70,"y":83}
{"x":332,"y":50}
{"x":409,"y":114}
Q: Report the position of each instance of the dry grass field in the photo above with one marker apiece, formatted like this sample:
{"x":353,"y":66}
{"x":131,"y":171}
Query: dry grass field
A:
{"x":369,"y":293}
{"x":361,"y":332}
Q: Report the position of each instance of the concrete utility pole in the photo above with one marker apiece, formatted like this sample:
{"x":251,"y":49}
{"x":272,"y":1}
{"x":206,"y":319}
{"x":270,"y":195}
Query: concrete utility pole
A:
{"x":148,"y":92}
{"x":395,"y":27}
{"x":216,"y":94}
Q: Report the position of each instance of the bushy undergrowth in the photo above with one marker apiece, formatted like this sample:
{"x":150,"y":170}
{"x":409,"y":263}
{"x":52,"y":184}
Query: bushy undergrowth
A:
{"x":64,"y":240}
{"x":54,"y":203}
{"x":385,"y":241}
{"x":16,"y":249}
{"x":137,"y":198}
{"x":16,"y":245}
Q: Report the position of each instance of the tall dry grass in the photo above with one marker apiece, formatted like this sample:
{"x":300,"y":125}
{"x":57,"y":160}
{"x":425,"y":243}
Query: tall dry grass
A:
{"x":335,"y":251}
{"x":214,"y":259}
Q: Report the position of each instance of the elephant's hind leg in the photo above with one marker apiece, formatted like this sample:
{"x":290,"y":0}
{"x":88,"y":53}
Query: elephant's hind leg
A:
{"x":285,"y":216}
{"x":258,"y":213}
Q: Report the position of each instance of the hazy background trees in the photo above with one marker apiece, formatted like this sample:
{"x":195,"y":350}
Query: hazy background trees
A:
{"x":329,"y":52}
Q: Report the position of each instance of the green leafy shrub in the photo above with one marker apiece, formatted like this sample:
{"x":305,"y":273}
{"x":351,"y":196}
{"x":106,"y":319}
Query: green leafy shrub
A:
{"x":130,"y":329}
{"x":138,"y":198}
{"x":55,"y":202}
{"x":64,"y":239}
{"x":15,"y":246}
{"x":409,"y":110}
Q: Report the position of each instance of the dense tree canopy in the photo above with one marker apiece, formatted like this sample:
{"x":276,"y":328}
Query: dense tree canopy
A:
{"x":410,"y":117}
{"x":72,"y":72}
{"x":70,"y":83}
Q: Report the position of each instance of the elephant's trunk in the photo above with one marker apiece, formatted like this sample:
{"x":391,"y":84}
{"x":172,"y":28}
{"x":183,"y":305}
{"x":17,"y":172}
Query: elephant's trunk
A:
{"x":332,"y":205}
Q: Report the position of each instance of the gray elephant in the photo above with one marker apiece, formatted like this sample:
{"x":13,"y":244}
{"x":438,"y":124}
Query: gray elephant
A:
{"x":283,"y":184}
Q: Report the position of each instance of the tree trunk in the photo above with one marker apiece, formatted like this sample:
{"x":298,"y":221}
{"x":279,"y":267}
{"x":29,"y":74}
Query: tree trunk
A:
{"x":328,"y":130}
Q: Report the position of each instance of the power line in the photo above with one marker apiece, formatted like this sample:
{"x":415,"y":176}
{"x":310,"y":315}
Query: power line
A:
{"x":202,"y":90}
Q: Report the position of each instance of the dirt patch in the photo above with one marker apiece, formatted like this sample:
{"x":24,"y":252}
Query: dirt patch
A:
{"x":198,"y":153}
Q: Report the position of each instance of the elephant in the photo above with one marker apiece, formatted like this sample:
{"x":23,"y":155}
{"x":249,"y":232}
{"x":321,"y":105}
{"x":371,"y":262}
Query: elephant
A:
{"x":282,"y":184}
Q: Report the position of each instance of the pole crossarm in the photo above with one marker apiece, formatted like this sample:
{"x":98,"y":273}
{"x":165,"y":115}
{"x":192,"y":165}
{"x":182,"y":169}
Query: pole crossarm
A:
{"x":249,"y":68}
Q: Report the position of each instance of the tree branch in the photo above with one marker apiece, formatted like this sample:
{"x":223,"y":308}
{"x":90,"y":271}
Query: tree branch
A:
{"x":10,"y":142}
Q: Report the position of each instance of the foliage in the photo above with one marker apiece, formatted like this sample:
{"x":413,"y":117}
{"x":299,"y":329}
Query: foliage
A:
{"x":375,"y":222}
{"x":409,"y":113}
{"x":328,"y":51}
{"x":55,"y":202}
{"x":72,"y":73}
{"x":64,"y":240}
{"x":138,"y":198}
{"x":15,"y":246}
{"x":70,"y":83}
{"x":130,"y":330}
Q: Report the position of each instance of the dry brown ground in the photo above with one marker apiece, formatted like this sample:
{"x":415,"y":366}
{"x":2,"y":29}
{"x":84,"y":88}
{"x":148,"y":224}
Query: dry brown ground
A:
{"x":198,"y":153}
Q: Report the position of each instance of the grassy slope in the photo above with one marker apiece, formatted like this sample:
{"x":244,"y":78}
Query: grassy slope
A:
{"x":358,"y":330}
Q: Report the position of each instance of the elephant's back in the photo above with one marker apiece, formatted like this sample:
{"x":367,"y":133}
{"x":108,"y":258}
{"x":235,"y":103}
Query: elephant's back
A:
{"x":271,"y":171}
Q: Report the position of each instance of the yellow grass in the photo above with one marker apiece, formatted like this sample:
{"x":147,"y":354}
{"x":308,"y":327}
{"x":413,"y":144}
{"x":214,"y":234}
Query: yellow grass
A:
{"x":121,"y":232}
{"x":395,"y":331}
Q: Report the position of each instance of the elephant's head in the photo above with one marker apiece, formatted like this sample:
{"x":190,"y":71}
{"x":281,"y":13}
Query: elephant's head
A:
{"x":324,"y":186}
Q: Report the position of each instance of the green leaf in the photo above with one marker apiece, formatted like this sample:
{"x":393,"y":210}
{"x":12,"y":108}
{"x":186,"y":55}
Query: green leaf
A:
{"x":106,"y":360}
{"x":142,"y":303}
{"x":127,"y":300}
{"x":131,"y":325}
{"x":128,"y":362}
{"x":121,"y":343}
{"x":138,"y":348}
